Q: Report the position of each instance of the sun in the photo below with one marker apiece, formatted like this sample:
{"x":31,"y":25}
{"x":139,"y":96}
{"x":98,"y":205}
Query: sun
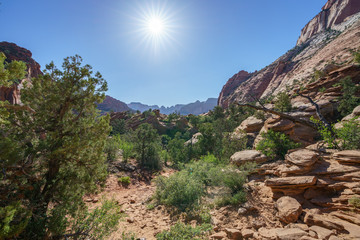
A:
{"x":156,"y":25}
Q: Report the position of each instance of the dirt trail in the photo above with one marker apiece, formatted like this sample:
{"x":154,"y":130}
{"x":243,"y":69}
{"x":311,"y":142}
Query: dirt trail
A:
{"x":143,"y":222}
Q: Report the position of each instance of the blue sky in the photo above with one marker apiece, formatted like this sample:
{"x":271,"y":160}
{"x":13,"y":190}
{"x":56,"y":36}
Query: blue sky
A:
{"x":204,"y":42}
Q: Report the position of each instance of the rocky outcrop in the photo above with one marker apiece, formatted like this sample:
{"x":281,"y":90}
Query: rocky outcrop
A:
{"x":112,"y":104}
{"x":245,"y":156}
{"x":296,"y":67}
{"x":289,"y":209}
{"x":332,"y":15}
{"x":14,"y":52}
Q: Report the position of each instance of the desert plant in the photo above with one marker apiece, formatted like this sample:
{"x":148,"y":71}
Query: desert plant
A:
{"x":125,"y":180}
{"x":355,"y":202}
{"x":275,"y":144}
{"x":283,"y":102}
{"x":184,"y":232}
{"x":348,"y":100}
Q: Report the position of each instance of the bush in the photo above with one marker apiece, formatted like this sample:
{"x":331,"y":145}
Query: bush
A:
{"x":275,"y":144}
{"x":126,"y":147}
{"x":124,"y":180}
{"x":345,"y":138}
{"x":118,"y":127}
{"x":184,"y":232}
{"x":180,"y":190}
{"x":355,"y":202}
{"x":283,"y":102}
{"x":111,"y":150}
{"x":348,"y":100}
{"x":229,"y":199}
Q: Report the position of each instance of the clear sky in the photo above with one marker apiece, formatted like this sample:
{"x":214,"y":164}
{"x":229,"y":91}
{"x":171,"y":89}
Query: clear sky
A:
{"x":197,"y":47}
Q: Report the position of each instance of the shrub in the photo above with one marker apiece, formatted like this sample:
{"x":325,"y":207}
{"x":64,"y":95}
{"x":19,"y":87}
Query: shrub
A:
{"x":118,"y":127}
{"x":13,"y":220}
{"x":355,"y":202}
{"x":124,"y":180}
{"x":111,"y":150}
{"x":348,"y":100}
{"x":283,"y":103}
{"x":275,"y":144}
{"x":345,"y":138}
{"x":126,"y":147}
{"x":180,"y":190}
{"x":229,"y":199}
{"x":357,"y":56}
{"x":184,"y":232}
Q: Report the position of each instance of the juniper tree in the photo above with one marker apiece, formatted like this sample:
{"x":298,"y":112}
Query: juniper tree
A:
{"x":52,"y":149}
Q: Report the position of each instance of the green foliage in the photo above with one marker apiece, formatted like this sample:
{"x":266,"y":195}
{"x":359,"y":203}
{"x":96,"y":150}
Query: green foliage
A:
{"x":345,"y":138}
{"x":348,"y":100}
{"x":356,"y":57}
{"x":355,"y":202}
{"x":111,"y":150}
{"x":126,"y":146}
{"x":322,"y":90}
{"x":176,"y":150}
{"x":283,"y":103}
{"x":184,"y":232}
{"x":124,"y":180}
{"x":180,"y":190}
{"x":229,"y":199}
{"x":275,"y":144}
{"x":57,"y":140}
{"x":9,"y":73}
{"x":147,"y":146}
{"x":96,"y":224}
{"x":13,"y":220}
{"x":317,"y":75}
{"x":118,"y":127}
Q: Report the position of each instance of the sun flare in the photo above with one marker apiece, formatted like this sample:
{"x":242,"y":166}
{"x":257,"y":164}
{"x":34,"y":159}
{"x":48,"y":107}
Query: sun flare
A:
{"x":155,"y":25}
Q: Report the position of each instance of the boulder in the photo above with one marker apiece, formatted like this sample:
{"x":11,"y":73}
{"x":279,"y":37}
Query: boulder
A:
{"x":251,"y":125}
{"x":289,"y":209}
{"x":323,"y":221}
{"x":245,"y":156}
{"x":233,"y":233}
{"x":219,"y":235}
{"x":194,"y":139}
{"x":247,"y":233}
{"x":278,"y":125}
{"x":302,"y":157}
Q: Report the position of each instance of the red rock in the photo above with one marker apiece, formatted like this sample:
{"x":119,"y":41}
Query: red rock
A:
{"x":289,"y":209}
{"x":219,"y":235}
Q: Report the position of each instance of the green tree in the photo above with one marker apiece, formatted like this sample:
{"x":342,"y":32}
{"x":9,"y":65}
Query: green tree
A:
{"x":176,"y":149}
{"x":51,"y":152}
{"x":10,"y":72}
{"x":348,"y":100}
{"x":147,"y":146}
{"x":283,"y":102}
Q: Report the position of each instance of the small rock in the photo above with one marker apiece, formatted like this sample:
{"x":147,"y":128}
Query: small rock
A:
{"x":132,"y":201}
{"x":333,"y":237}
{"x":130,"y":220}
{"x":321,"y":232}
{"x":290,"y":233}
{"x":242,"y":211}
{"x":219,"y":235}
{"x":233,"y":233}
{"x":289,"y":209}
{"x":247,"y":233}
{"x":312,"y":234}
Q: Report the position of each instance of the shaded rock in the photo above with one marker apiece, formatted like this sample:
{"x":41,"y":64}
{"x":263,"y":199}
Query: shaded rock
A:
{"x":323,"y":221}
{"x":278,"y":125}
{"x":233,"y":233}
{"x":302,"y":157}
{"x":245,"y":156}
{"x":289,"y":209}
{"x":247,"y":233}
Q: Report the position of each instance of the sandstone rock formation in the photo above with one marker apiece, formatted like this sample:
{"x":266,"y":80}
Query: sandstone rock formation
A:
{"x":112,"y":104}
{"x":316,"y":49}
{"x":14,"y":52}
{"x":245,"y":156}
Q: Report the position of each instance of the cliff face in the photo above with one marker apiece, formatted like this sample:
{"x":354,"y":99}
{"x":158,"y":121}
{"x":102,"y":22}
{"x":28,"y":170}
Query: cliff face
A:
{"x":316,"y":48}
{"x":332,"y":15}
{"x":14,"y":52}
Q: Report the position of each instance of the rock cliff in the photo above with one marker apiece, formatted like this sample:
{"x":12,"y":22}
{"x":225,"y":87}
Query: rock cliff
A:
{"x":14,"y":52}
{"x":112,"y":104}
{"x":319,"y":45}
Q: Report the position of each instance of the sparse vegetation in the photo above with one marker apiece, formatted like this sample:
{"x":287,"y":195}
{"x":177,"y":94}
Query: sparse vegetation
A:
{"x":275,"y":144}
{"x":349,"y":99}
{"x":355,"y":202}
{"x":282,"y":102}
{"x":185,"y":232}
{"x":125,"y":181}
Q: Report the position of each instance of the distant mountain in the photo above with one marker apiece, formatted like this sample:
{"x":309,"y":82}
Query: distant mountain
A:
{"x":112,"y":104}
{"x":137,"y":106}
{"x":195,"y":108}
{"x":198,"y":107}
